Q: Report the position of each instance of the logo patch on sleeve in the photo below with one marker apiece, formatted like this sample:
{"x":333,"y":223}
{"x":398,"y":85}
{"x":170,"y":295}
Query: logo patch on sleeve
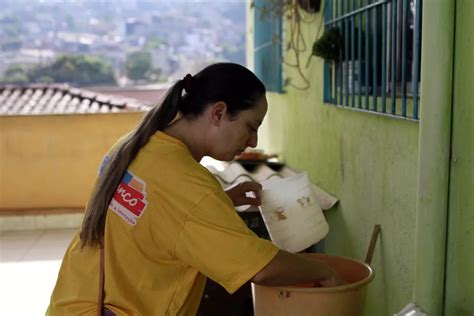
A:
{"x":129,"y":200}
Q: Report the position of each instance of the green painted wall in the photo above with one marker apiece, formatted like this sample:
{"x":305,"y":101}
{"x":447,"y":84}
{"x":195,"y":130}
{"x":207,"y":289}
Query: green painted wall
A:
{"x":369,"y":162}
{"x":459,"y":298}
{"x":434,"y":154}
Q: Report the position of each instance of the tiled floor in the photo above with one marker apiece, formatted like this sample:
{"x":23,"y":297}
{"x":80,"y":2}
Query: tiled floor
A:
{"x":29,"y":264}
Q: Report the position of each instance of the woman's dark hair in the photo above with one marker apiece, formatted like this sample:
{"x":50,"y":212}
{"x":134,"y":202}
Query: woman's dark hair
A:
{"x":231,"y":83}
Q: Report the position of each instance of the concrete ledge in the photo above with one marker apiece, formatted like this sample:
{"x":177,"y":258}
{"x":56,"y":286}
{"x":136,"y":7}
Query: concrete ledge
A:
{"x":40,"y":219}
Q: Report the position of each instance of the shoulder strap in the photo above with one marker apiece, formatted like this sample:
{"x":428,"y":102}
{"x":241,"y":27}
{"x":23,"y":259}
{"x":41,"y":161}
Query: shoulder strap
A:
{"x":100,"y":300}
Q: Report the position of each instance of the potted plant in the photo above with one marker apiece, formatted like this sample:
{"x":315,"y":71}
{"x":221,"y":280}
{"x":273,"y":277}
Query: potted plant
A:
{"x":329,"y":46}
{"x":310,"y":6}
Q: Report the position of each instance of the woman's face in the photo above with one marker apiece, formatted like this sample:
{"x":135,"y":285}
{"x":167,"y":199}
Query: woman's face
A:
{"x":236,"y":133}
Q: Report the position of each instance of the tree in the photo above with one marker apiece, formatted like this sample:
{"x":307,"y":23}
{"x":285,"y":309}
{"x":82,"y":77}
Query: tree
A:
{"x":15,"y":74}
{"x":154,"y":43}
{"x":75,"y":69}
{"x":138,"y":65}
{"x":10,"y":26}
{"x":17,"y":78}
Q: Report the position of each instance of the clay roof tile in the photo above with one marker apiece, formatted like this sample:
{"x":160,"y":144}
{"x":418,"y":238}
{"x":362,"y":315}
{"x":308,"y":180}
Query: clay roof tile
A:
{"x":36,"y":99}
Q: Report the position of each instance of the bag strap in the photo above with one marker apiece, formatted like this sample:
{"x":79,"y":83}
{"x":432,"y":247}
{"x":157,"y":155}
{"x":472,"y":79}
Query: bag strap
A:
{"x":100,"y":300}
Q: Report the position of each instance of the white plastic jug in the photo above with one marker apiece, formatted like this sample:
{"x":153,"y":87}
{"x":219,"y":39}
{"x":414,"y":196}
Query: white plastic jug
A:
{"x":291,"y":212}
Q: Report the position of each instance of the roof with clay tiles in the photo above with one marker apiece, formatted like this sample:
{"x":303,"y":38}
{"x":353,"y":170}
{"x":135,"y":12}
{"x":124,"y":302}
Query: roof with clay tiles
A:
{"x":61,"y":99}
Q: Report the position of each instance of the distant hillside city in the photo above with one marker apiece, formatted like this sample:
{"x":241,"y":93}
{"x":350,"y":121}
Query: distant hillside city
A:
{"x":120,"y":42}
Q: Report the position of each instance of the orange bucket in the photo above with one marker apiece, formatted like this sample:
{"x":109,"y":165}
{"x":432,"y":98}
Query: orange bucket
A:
{"x":344,"y":300}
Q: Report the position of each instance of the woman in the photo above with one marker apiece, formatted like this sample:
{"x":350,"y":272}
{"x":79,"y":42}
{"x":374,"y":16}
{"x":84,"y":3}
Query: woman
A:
{"x":158,"y":223}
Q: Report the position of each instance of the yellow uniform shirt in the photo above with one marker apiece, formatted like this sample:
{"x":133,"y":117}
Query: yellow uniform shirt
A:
{"x":169,"y":225}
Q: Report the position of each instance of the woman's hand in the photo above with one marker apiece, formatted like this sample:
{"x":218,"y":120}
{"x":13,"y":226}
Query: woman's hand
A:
{"x":334,"y":279}
{"x":297,"y":270}
{"x":238,"y":193}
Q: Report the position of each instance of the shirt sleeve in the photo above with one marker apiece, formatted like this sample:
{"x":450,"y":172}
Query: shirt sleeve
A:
{"x":217,"y":242}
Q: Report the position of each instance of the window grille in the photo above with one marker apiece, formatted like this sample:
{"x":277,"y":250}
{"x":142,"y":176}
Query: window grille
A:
{"x":267,"y":45}
{"x":379,"y":60}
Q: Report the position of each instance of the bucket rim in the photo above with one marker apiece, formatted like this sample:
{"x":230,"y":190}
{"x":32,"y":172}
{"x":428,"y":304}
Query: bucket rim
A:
{"x":340,"y":288}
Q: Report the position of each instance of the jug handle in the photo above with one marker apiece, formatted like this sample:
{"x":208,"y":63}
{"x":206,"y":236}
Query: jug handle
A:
{"x":373,"y":241}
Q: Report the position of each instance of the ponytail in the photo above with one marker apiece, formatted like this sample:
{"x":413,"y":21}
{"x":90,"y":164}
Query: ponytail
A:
{"x":158,"y":118}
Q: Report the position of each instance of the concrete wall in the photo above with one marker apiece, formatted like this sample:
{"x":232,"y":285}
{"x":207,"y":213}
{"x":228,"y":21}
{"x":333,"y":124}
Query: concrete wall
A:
{"x":369,"y":162}
{"x":434,"y":154}
{"x":51,"y":161}
{"x":459,"y":298}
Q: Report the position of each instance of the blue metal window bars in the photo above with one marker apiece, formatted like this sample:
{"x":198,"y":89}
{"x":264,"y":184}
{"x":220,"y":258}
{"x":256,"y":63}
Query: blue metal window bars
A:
{"x":379,"y":66}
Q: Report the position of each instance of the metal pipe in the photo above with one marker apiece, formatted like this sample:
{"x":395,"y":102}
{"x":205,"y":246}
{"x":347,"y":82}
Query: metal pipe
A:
{"x":404,"y":58}
{"x":356,"y":12}
{"x":393,"y":56}
{"x":340,"y":59}
{"x":327,"y":68}
{"x":359,"y":51}
{"x":416,"y":57}
{"x":346,"y":52}
{"x":384,"y":58}
{"x":353,"y":56}
{"x":367,"y":53}
{"x":375,"y":61}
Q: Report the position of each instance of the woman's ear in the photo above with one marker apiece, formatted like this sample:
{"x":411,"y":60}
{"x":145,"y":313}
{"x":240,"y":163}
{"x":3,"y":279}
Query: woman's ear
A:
{"x":218,"y":112}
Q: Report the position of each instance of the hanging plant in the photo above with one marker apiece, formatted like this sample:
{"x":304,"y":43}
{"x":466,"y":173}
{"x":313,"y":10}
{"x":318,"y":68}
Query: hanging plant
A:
{"x":329,"y":46}
{"x":310,"y":6}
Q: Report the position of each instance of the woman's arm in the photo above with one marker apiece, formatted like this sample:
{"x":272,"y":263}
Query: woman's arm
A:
{"x":286,"y":268}
{"x":291,"y":269}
